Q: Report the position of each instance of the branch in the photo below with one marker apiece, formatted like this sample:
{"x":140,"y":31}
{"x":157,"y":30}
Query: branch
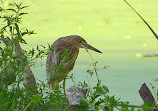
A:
{"x":143,"y":20}
{"x":29,"y":78}
{"x":144,"y":107}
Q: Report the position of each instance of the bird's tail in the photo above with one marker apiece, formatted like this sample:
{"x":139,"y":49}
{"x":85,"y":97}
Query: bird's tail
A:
{"x":53,"y":85}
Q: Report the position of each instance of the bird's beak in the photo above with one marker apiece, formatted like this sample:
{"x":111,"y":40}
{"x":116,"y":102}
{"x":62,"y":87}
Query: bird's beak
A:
{"x":87,"y":46}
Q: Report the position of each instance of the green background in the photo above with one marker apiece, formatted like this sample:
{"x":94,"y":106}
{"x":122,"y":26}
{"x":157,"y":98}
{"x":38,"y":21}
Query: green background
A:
{"x":110,"y":26}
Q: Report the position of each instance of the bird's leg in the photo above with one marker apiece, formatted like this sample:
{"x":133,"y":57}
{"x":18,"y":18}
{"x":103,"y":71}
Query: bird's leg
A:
{"x":64,"y":85}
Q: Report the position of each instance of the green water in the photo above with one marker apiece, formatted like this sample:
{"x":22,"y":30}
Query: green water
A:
{"x":110,"y":26}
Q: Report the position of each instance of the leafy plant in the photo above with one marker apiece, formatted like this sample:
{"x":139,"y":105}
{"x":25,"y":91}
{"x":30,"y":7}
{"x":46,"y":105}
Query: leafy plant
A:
{"x":18,"y":93}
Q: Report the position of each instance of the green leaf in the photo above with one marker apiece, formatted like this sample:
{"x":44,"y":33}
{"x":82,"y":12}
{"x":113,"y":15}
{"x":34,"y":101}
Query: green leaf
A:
{"x":23,"y":41}
{"x":98,"y":90}
{"x":99,"y":102}
{"x":105,"y":67}
{"x":37,"y":98}
{"x":42,"y":46}
{"x":24,"y":33}
{"x":16,"y":27}
{"x":22,"y":14}
{"x":105,"y":89}
{"x":10,"y":29}
{"x":96,"y":63}
{"x":90,"y":72}
{"x":37,"y":47}
{"x":146,"y":104}
{"x":32,"y":52}
{"x":18,"y":6}
{"x":97,"y":95}
{"x":83,"y":101}
{"x":24,"y":7}
{"x":18,"y":33}
{"x":11,"y":9}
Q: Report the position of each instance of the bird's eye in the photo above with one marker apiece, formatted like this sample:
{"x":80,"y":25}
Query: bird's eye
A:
{"x":80,"y":41}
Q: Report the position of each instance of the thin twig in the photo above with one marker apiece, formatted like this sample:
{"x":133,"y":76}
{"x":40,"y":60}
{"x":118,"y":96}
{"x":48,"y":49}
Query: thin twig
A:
{"x":99,"y":81}
{"x":94,"y":67}
{"x":29,"y":105}
{"x":143,"y":20}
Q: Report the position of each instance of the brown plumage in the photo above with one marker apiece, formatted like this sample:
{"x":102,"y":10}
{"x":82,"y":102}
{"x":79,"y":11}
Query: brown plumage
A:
{"x":62,"y":57}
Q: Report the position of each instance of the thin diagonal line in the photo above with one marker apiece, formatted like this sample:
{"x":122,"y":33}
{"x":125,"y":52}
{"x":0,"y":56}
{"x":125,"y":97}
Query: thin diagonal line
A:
{"x":143,"y":20}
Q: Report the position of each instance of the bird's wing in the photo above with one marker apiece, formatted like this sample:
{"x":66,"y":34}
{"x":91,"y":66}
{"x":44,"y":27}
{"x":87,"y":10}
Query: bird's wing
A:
{"x":53,"y":61}
{"x":62,"y":57}
{"x":49,"y":63}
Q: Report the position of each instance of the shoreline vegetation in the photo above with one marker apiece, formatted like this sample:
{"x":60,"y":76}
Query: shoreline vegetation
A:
{"x":19,"y":89}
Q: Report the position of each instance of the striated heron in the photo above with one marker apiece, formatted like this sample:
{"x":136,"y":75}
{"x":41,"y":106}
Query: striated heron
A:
{"x":61,"y":58}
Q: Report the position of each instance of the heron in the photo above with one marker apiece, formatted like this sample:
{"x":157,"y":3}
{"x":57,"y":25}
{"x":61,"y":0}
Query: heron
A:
{"x":61,"y":58}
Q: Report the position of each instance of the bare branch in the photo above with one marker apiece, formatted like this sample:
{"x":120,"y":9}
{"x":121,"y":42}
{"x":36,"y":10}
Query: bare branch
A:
{"x":143,"y":20}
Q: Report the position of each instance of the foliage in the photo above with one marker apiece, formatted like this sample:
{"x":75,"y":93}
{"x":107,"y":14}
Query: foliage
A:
{"x":16,"y":96}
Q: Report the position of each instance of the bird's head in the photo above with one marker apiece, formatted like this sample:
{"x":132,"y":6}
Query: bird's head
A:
{"x":83,"y":44}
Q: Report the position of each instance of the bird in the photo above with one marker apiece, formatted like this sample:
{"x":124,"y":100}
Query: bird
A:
{"x":61,"y":58}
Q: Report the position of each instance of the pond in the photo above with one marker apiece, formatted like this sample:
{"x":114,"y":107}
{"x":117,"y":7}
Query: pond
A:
{"x":110,"y":26}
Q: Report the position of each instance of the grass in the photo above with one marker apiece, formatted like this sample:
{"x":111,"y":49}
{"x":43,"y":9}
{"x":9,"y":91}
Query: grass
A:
{"x":110,"y":26}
